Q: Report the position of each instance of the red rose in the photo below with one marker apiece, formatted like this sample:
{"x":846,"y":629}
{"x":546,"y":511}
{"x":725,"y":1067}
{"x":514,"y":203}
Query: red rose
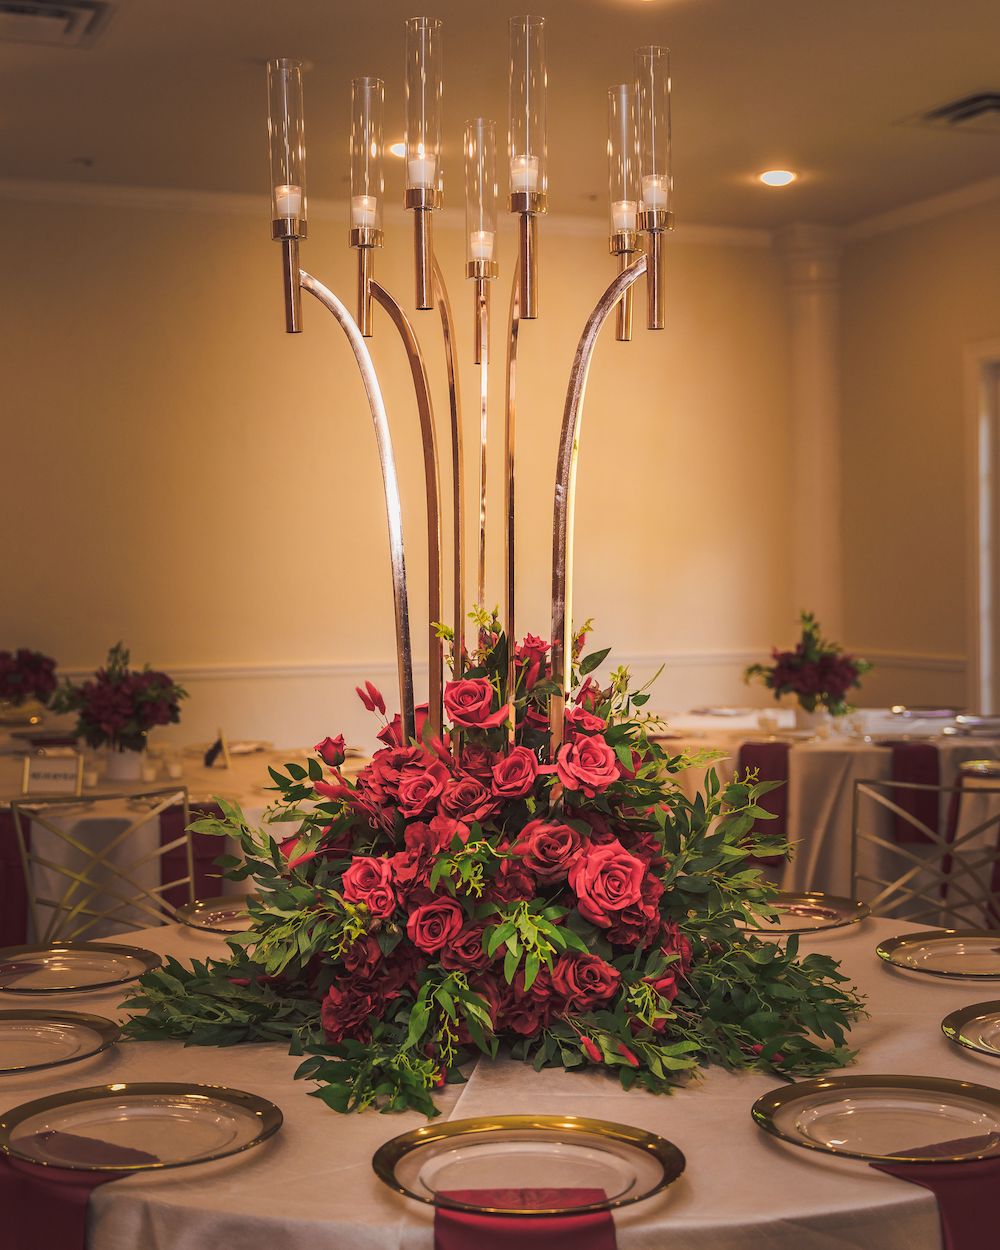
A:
{"x":526,"y":1012}
{"x":392,"y":734}
{"x":512,"y":882}
{"x":435,"y":924}
{"x":639,"y":923}
{"x":465,"y":952}
{"x":477,"y":760}
{"x":514,"y":774}
{"x":673,"y":942}
{"x":548,"y":849}
{"x":606,"y":880}
{"x":420,"y":786}
{"x":589,"y":695}
{"x":583,"y":981}
{"x":409,"y":870}
{"x":468,"y":703}
{"x":382,"y":776}
{"x":363,"y":956}
{"x":332,"y":751}
{"x":588,"y":764}
{"x":369,"y":881}
{"x":581,"y":721}
{"x":347,"y":1009}
{"x":464,"y":798}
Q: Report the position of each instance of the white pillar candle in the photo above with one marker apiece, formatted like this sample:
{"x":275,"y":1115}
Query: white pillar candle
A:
{"x":420,"y":171}
{"x":481,"y":245}
{"x":623,"y":214}
{"x":287,"y":200}
{"x":655,"y":189}
{"x":364,"y":210}
{"x":523,"y":173}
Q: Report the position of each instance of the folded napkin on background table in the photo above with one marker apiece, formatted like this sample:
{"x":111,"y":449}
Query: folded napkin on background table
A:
{"x":473,"y":1230}
{"x":916,"y":763}
{"x":968,"y":1194}
{"x":770,"y":760}
{"x":45,"y":1208}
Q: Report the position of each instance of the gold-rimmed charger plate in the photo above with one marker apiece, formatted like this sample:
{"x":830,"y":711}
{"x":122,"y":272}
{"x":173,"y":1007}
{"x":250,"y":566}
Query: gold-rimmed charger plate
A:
{"x":227,"y":914}
{"x":33,"y":1038}
{"x":968,"y":954}
{"x":976,"y":1027}
{"x":137,"y":1126}
{"x":72,"y":967}
{"x":809,"y":912}
{"x":527,"y":1164}
{"x":906,"y":1119}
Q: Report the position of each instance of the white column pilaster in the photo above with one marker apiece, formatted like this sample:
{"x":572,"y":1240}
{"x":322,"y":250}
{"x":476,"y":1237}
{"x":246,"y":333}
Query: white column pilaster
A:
{"x":812,"y":274}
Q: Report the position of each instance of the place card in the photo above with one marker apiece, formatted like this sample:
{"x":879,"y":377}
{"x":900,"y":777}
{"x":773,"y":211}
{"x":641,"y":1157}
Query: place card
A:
{"x":46,"y":772}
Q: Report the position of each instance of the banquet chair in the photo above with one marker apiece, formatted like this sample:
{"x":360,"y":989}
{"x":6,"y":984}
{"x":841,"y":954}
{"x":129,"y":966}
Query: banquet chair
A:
{"x":908,"y":864}
{"x":92,"y":874}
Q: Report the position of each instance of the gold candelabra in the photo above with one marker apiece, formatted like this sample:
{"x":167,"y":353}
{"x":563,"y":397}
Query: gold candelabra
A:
{"x":640,"y":192}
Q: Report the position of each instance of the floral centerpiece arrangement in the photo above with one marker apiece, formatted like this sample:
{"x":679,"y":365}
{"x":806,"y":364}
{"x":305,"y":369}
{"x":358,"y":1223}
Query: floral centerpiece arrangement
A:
{"x":461,"y":895}
{"x":817,"y":672}
{"x":118,"y":706}
{"x":26,"y":675}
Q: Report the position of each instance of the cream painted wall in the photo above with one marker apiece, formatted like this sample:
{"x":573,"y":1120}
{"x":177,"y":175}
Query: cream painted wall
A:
{"x":914,"y":298}
{"x":181,"y":474}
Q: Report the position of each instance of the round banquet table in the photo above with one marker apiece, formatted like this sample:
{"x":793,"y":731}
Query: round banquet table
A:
{"x":312,"y":1186}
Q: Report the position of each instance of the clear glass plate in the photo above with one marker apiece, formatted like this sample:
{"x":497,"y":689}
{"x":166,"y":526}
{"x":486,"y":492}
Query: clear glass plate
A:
{"x":217,"y":915}
{"x":528,"y":1165}
{"x":134,"y":1127}
{"x":945,"y":952}
{"x":976,"y":1028}
{"x":809,"y":912}
{"x":45,"y":1039}
{"x":59,"y":967}
{"x":906,"y":1118}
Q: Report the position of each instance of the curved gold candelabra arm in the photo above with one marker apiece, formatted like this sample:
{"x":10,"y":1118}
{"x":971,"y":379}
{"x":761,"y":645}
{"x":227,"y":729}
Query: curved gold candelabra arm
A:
{"x":510,"y":607}
{"x":435,"y":644}
{"x":457,"y":469}
{"x":390,"y":483}
{"x":565,"y":498}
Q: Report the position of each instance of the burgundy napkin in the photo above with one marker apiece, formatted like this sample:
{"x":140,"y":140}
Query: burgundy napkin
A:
{"x":770,"y":759}
{"x":968,"y":1194}
{"x":468,"y":1230}
{"x":47,"y":1206}
{"x":916,"y":763}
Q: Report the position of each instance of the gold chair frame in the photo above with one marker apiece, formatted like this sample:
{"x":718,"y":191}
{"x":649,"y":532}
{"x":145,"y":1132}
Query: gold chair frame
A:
{"x":73,"y":914}
{"x":959,"y":896}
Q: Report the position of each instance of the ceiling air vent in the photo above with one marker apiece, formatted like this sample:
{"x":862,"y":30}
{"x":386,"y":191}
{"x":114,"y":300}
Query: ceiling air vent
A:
{"x":978,"y":113}
{"x":56,"y":23}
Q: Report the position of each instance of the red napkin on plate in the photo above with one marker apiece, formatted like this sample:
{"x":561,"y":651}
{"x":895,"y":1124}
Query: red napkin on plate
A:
{"x":968,"y":1194}
{"x":770,"y":759}
{"x":472,"y":1230}
{"x":919,"y":764}
{"x":46,"y":1207}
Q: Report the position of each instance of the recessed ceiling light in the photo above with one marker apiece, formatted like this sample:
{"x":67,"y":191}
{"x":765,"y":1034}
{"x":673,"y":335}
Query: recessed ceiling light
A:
{"x":777,"y":177}
{"x":397,"y":149}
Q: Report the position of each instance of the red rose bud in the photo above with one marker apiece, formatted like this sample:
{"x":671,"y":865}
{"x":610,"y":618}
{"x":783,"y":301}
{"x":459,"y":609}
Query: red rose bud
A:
{"x":332,"y":751}
{"x":376,"y":697}
{"x":627,"y":1055}
{"x":591,"y":1050}
{"x":440,"y":1079}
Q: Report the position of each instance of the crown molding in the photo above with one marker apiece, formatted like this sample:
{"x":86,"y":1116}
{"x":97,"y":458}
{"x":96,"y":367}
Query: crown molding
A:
{"x":242,"y":204}
{"x":935,"y":206}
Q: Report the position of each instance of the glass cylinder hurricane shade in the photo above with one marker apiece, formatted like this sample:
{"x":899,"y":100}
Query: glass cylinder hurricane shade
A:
{"x":424,"y":87}
{"x":480,"y":190}
{"x":623,"y":172}
{"x":652,"y":86}
{"x":286,"y":143}
{"x":367,"y":183}
{"x":526,"y":136}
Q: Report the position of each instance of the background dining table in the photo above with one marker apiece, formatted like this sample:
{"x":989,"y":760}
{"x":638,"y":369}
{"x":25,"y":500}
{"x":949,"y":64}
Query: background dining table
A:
{"x":312,"y":1186}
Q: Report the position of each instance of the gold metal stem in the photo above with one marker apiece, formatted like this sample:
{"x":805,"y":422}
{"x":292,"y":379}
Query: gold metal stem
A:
{"x":527,"y":259}
{"x":623,"y":322}
{"x":292,"y":286}
{"x":655,"y":280}
{"x":435,"y":645}
{"x":483,"y":360}
{"x":424,"y":257}
{"x":457,"y":469}
{"x":390,"y":485}
{"x":509,"y":616}
{"x":365,"y":270}
{"x":565,"y":499}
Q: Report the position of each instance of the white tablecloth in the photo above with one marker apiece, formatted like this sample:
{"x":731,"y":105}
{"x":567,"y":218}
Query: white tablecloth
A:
{"x":312,"y":1186}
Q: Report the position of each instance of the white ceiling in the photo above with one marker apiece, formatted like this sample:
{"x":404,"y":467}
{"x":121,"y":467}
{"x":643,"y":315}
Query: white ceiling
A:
{"x":172,"y":94}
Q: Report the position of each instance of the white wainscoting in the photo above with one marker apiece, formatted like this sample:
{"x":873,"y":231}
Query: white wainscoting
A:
{"x":295,"y":704}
